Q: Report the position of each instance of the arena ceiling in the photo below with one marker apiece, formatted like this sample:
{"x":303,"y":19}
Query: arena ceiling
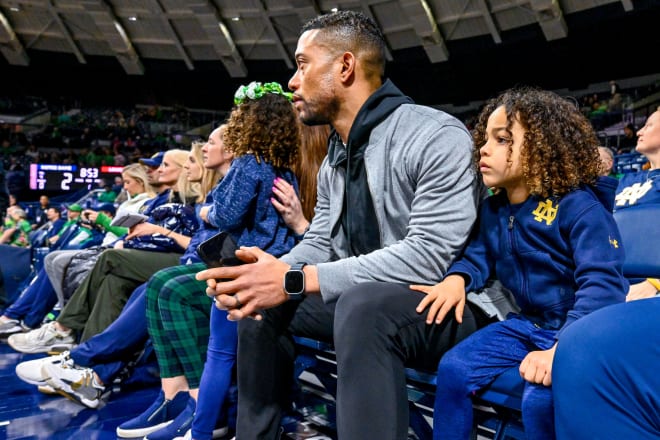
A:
{"x":242,"y":39}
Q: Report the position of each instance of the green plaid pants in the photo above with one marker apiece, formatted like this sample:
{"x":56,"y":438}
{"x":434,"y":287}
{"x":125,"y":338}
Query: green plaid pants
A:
{"x":178,"y":313}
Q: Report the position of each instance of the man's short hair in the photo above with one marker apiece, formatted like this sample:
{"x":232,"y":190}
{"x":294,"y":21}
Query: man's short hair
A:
{"x":350,"y":31}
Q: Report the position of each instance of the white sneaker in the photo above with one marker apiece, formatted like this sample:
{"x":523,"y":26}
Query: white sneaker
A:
{"x":76,"y":383}
{"x":10,"y":326}
{"x":41,"y":340}
{"x":30,"y":371}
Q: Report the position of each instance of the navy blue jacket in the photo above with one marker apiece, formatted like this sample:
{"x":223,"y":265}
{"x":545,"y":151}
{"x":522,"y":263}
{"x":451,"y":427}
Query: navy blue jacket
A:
{"x":242,"y":207}
{"x":561,"y":258}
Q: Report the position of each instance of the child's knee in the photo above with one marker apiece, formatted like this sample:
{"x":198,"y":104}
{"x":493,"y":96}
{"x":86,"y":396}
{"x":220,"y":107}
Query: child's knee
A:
{"x":451,"y":373}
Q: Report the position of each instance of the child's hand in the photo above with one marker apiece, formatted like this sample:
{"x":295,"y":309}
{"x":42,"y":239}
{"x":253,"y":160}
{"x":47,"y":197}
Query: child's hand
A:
{"x":641,"y":290}
{"x":537,"y":366}
{"x":448,"y":293}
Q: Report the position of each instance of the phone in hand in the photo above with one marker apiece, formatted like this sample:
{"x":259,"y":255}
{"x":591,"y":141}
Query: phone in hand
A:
{"x":219,"y":250}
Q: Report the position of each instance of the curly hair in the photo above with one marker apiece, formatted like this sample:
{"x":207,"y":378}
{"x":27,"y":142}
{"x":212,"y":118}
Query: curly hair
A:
{"x":560,"y":148}
{"x":267,"y":128}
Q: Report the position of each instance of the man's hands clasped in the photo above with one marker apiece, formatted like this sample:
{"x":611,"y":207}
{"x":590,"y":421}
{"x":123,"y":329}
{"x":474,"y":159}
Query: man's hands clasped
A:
{"x":248,"y":288}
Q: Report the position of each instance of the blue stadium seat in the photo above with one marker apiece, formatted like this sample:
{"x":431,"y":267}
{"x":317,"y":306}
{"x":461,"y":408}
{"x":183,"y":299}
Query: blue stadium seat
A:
{"x":15,"y":269}
{"x":640,"y":235}
{"x":628,"y":163}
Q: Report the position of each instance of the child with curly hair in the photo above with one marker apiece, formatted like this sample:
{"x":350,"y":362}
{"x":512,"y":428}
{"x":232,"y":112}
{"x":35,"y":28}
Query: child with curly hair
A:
{"x":548,"y":235}
{"x":263,"y":135}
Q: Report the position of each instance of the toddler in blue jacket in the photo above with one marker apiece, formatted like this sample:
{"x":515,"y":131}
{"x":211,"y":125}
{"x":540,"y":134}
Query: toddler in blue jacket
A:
{"x":548,"y":235}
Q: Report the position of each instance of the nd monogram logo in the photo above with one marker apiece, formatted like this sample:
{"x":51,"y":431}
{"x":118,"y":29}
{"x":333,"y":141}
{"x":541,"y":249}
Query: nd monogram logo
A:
{"x":614,"y":242}
{"x":545,"y":211}
{"x":633,"y":193}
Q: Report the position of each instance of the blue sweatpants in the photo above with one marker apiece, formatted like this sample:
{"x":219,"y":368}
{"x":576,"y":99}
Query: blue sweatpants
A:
{"x":476,"y":362}
{"x":216,"y":378}
{"x":108,"y":352}
{"x":605,"y":374}
{"x":35,"y":301}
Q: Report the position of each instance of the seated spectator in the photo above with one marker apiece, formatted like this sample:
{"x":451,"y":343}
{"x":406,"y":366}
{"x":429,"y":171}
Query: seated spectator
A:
{"x":117,"y":272}
{"x":628,"y":142}
{"x":39,"y":217}
{"x":108,"y":195}
{"x":73,"y":212}
{"x":607,"y":163}
{"x":118,"y":188}
{"x":605,"y":381}
{"x":544,"y":233}
{"x":643,"y":187}
{"x":152,"y":164}
{"x":55,"y":223}
{"x":16,"y":228}
{"x":105,"y":353}
{"x":47,"y":288}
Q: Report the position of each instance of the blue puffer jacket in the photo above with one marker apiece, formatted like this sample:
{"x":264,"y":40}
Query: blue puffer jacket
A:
{"x":175,"y":217}
{"x":561,"y":258}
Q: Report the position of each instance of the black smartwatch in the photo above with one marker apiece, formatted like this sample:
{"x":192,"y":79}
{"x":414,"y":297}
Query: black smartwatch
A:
{"x":294,"y":282}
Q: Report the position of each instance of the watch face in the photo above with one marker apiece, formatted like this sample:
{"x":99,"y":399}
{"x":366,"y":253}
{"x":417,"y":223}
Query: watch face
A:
{"x":294,"y":282}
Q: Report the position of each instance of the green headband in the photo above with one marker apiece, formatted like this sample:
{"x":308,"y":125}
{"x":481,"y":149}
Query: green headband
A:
{"x":256,"y":90}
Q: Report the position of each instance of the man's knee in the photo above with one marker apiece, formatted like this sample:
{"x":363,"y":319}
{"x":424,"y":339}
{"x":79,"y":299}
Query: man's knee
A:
{"x":371,"y":310}
{"x":372,"y":298}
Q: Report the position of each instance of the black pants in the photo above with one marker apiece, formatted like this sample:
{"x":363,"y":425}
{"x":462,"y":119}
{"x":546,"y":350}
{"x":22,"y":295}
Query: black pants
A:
{"x":376,"y":333}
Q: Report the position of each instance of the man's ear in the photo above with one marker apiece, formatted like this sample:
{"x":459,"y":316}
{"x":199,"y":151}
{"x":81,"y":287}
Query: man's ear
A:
{"x":348,"y":62}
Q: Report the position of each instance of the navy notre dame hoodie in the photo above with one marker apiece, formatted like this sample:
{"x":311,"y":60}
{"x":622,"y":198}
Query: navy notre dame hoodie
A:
{"x":560,"y":257}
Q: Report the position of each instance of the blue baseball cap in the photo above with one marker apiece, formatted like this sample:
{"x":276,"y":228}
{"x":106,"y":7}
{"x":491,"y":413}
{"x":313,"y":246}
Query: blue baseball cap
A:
{"x":108,"y":207}
{"x":153,"y":161}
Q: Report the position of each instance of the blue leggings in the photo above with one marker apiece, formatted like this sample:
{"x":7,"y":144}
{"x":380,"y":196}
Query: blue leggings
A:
{"x":216,"y":378}
{"x":476,"y":362}
{"x":605,"y":374}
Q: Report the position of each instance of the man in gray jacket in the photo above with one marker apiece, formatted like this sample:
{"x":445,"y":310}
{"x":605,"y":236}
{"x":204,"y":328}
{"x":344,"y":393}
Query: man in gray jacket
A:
{"x":397,"y":197}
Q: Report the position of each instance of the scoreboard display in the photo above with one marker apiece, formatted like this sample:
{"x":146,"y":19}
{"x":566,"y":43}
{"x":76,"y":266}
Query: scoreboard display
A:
{"x":50,"y":177}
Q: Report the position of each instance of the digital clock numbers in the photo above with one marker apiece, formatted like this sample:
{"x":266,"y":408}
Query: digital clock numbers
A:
{"x":52,"y":177}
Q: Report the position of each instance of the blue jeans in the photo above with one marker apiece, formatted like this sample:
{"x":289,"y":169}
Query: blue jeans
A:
{"x":476,"y":362}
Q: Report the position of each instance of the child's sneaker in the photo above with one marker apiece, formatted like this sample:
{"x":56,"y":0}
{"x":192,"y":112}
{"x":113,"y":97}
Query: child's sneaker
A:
{"x":73,"y":382}
{"x":42,"y":340}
